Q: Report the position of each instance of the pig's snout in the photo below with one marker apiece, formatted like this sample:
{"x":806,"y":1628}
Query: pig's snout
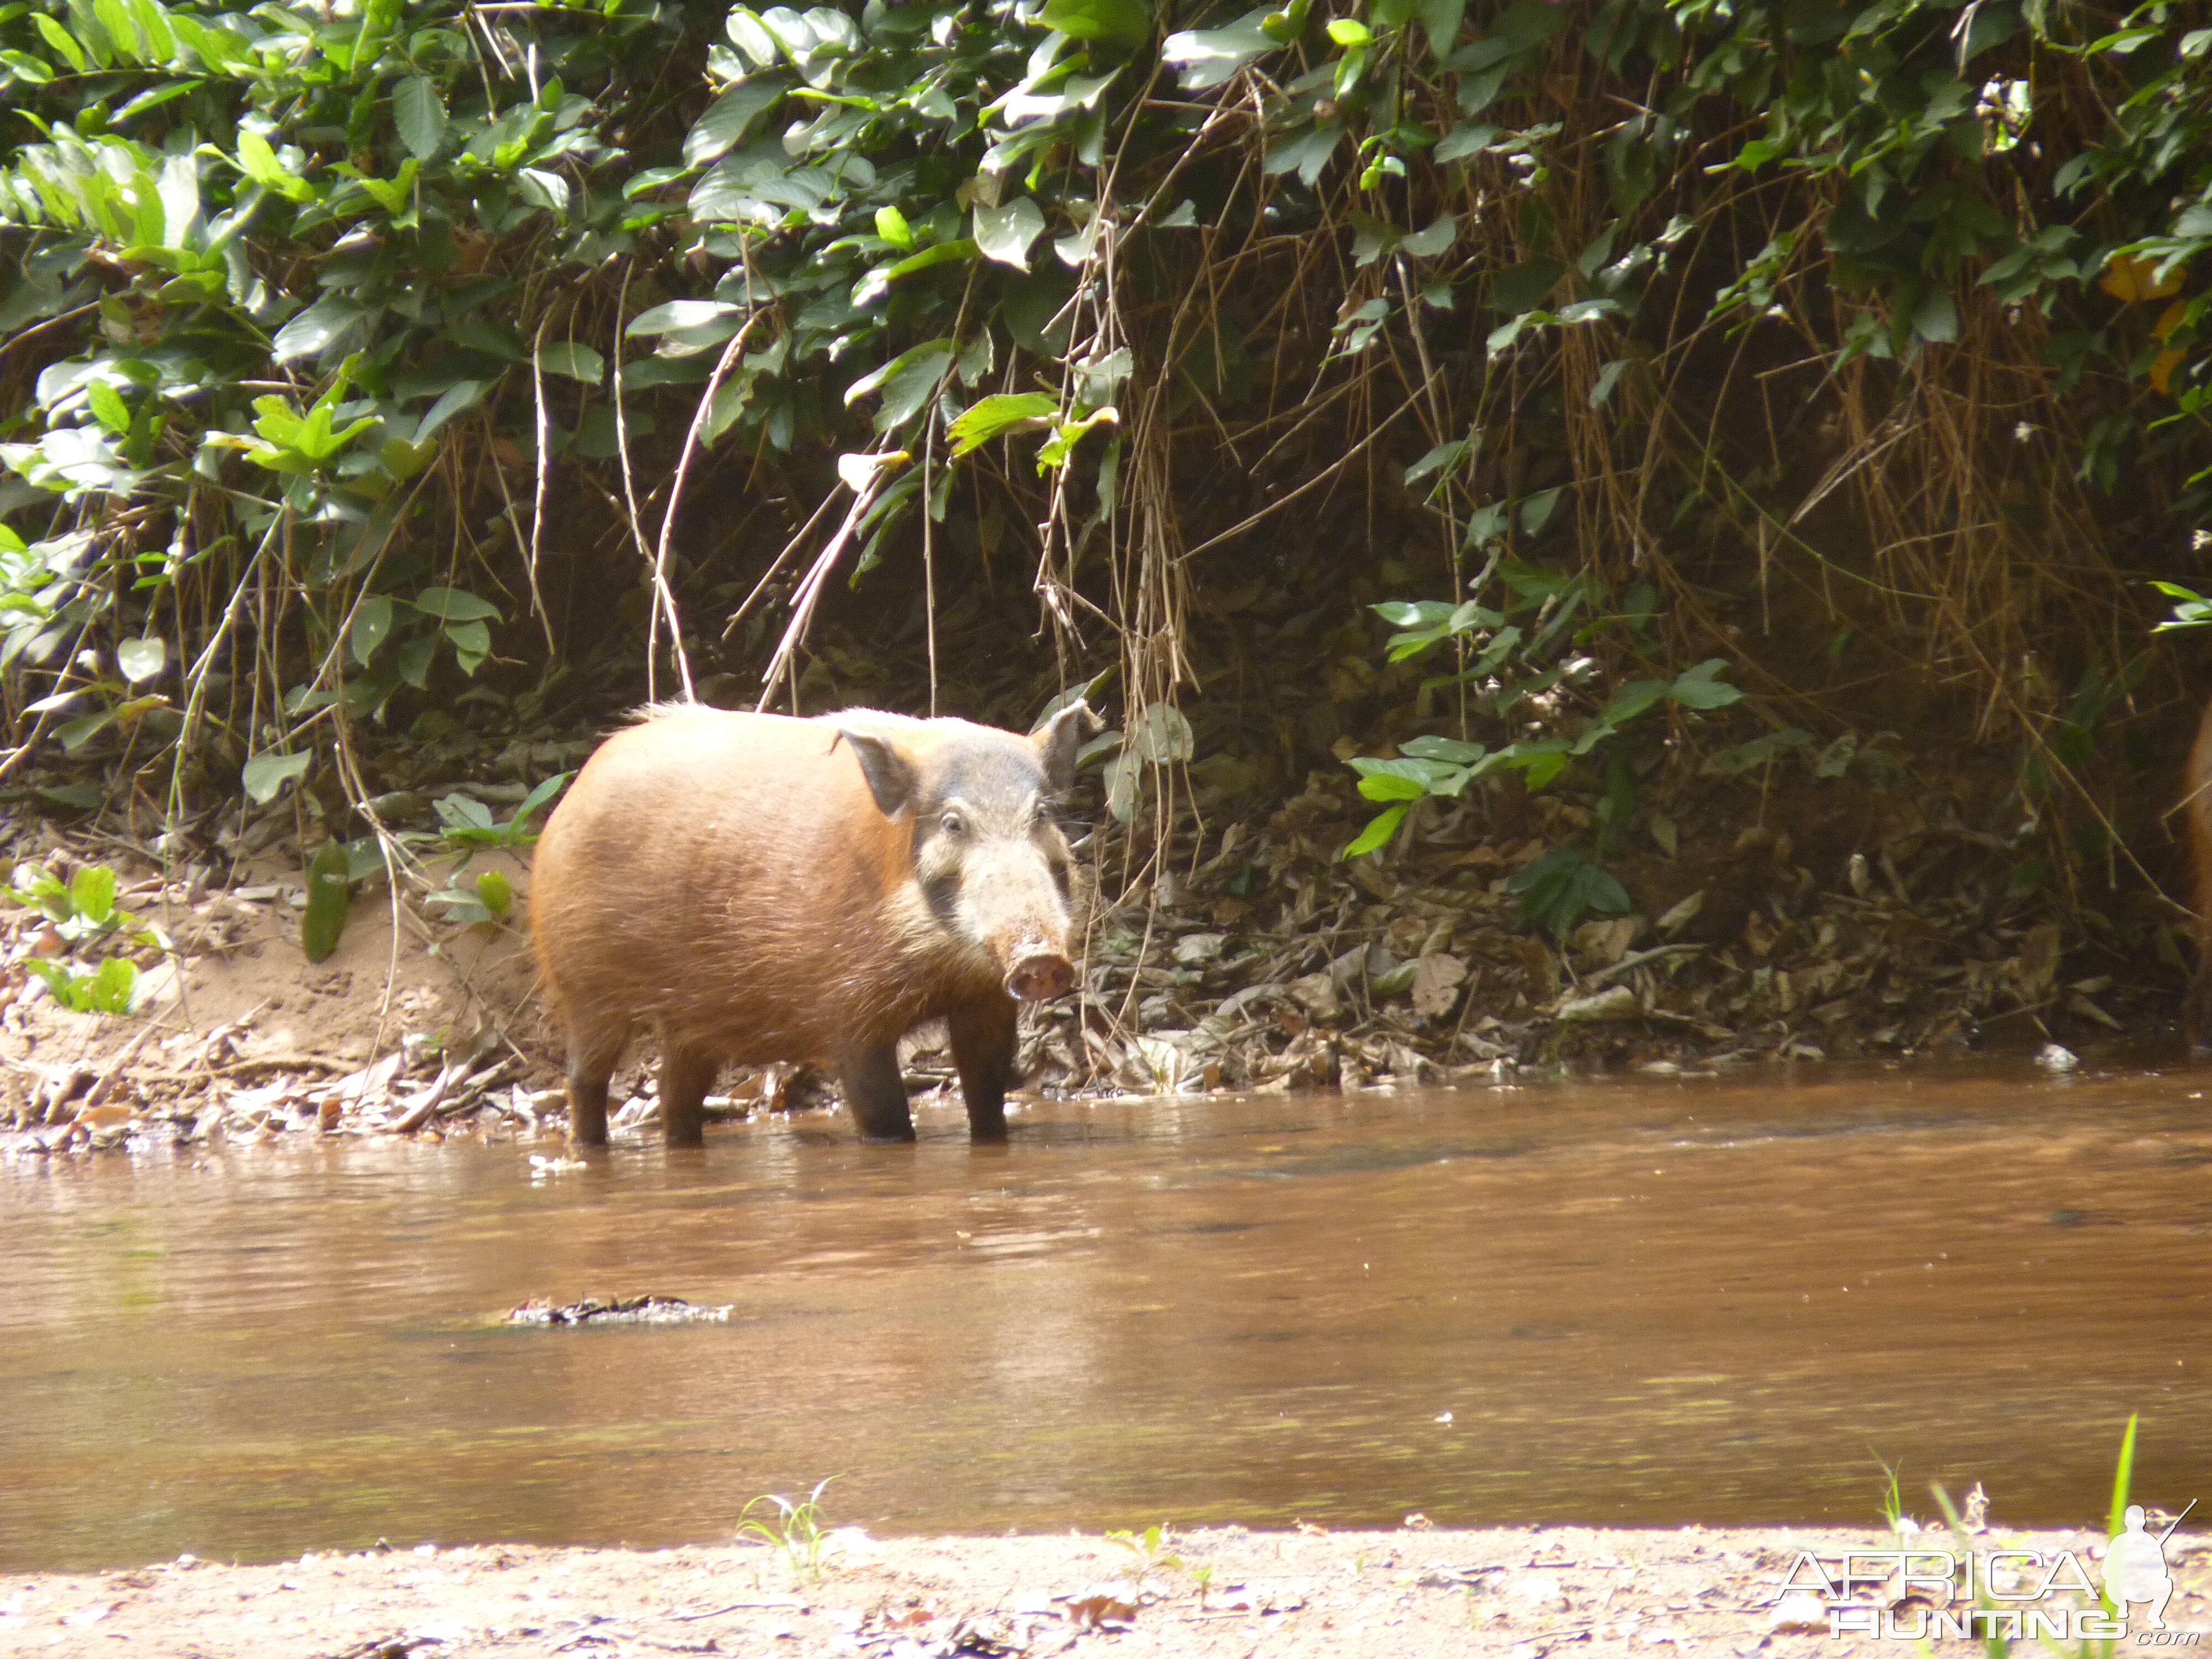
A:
{"x":1039,"y":974}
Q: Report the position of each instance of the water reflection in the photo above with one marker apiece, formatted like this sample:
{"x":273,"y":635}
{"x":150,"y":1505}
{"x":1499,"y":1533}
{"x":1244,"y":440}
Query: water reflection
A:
{"x":1650,"y":1303}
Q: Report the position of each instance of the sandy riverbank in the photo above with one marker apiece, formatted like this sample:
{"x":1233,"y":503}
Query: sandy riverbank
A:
{"x":1517,"y":1593}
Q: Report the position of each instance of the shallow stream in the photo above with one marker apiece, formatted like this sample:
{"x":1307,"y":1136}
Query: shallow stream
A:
{"x":1629,"y":1302}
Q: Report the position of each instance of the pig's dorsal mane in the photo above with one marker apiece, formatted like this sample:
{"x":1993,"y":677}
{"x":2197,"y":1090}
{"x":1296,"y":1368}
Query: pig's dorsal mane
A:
{"x":669,"y":708}
{"x":872,"y":719}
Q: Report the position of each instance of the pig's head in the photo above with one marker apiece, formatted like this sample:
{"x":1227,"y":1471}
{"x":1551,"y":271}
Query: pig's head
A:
{"x":991,"y":863}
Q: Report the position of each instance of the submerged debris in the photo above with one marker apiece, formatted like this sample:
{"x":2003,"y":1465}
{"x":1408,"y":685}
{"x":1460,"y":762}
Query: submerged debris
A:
{"x":621,"y":1311}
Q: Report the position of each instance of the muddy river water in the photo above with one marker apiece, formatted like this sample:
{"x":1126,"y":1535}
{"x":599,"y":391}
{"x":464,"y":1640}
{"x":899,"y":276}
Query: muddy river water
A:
{"x":1634,"y":1303}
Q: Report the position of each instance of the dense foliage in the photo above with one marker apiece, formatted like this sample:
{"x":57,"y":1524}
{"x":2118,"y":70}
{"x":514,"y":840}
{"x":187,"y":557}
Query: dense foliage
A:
{"x":329,"y":331}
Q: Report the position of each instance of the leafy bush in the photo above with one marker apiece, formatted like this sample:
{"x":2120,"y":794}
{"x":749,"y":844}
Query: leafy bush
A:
{"x":1526,"y":675}
{"x":315,"y":312}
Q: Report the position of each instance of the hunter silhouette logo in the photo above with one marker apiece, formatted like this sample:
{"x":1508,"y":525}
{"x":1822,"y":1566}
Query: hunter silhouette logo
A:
{"x":2135,"y":1567}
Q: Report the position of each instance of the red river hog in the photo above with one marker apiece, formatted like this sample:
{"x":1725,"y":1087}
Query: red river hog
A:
{"x":753,"y":888}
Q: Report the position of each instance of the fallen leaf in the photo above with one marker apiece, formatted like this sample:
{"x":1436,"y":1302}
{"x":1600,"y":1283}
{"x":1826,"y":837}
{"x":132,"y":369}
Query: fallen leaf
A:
{"x":1316,"y":993}
{"x":1437,"y":979}
{"x":1098,"y":1611}
{"x":1614,"y":1002}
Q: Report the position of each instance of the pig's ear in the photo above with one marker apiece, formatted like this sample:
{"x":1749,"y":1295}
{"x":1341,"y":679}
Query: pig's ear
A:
{"x":890,"y":775}
{"x":1058,"y":739}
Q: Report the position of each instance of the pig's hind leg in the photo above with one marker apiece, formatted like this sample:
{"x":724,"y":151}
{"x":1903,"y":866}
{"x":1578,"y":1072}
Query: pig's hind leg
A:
{"x":686,"y":1074}
{"x":592,"y":1056}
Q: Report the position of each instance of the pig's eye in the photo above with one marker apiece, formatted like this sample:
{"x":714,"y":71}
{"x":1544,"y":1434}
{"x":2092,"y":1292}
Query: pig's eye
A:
{"x":952,"y":823}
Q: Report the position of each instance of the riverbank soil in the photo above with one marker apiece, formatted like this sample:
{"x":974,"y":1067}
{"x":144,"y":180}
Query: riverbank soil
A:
{"x":1517,"y":1593}
{"x":1263,"y":963}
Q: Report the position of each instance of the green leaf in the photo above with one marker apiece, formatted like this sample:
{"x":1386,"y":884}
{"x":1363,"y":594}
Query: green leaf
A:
{"x":459,"y":812}
{"x":450,"y":604}
{"x":538,"y":797}
{"x":2123,"y":1477}
{"x":961,"y":248}
{"x":75,"y":735}
{"x":34,"y":70}
{"x":277,"y":420}
{"x":682,"y":313}
{"x":115,"y":988}
{"x":321,"y":327}
{"x":1627,"y":702}
{"x":1701,"y":687}
{"x":372,"y":625}
{"x":1065,"y":434}
{"x":1936,"y":319}
{"x":1468,"y":138}
{"x":1127,"y":22}
{"x":1389,"y":786}
{"x":1004,"y":234}
{"x":1536,"y":512}
{"x":153,"y":23}
{"x":456,"y":398}
{"x":906,"y":391}
{"x":1436,"y":239}
{"x":544,"y":189}
{"x":1209,"y":57}
{"x":394,"y":194}
{"x":1562,"y":887}
{"x":1584,"y":311}
{"x":107,"y":406}
{"x":1443,"y":748}
{"x":91,"y":892}
{"x":403,"y":459}
{"x":1760,"y":751}
{"x":329,"y":889}
{"x":1407,"y":778}
{"x":420,"y":116}
{"x":1444,"y":458}
{"x":1379,"y":829}
{"x":1306,"y":154}
{"x":999,"y":414}
{"x":1526,"y":24}
{"x":471,"y":644}
{"x":1347,"y":32}
{"x":141,"y":658}
{"x":1441,"y":19}
{"x":750,"y":37}
{"x":891,"y":225}
{"x":578,"y":362}
{"x":926,"y":366}
{"x":266,"y":774}
{"x":1161,"y":735}
{"x":723,"y":127}
{"x":1525,"y":286}
{"x":60,"y":39}
{"x":493,"y":339}
{"x":258,"y":162}
{"x":122,"y":33}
